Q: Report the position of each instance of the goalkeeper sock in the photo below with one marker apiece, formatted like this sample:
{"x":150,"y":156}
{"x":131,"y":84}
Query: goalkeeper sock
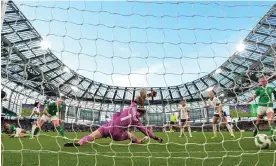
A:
{"x":134,"y":139}
{"x":85,"y":140}
{"x":215,"y":130}
{"x":230,"y":129}
{"x":60,"y":130}
{"x":190,"y":131}
{"x":33,"y":130}
{"x":272,"y":129}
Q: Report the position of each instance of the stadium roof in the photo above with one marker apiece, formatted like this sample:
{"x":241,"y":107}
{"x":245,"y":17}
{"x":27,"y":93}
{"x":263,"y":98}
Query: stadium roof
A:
{"x":24,"y":62}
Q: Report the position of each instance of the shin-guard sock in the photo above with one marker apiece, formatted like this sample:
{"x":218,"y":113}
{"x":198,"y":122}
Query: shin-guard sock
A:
{"x":215,"y":130}
{"x":60,"y":130}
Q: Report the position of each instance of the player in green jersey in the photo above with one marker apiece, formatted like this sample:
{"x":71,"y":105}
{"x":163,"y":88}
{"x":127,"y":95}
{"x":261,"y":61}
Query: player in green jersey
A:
{"x":265,"y":104}
{"x":13,"y":131}
{"x":52,"y":111}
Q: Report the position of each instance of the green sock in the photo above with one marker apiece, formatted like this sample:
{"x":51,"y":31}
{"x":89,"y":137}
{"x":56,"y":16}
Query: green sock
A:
{"x":272,"y":129}
{"x":36,"y":131}
{"x":60,"y":130}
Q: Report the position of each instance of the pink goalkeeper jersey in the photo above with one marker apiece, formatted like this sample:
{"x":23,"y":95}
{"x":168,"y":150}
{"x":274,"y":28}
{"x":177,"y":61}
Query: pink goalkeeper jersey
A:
{"x":121,"y":121}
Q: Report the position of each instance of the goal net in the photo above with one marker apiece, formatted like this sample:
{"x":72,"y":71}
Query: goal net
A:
{"x":98,"y":56}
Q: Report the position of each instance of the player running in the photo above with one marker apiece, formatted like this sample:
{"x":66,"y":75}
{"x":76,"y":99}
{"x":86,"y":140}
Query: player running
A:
{"x":13,"y":131}
{"x":52,"y":111}
{"x":184,"y":117}
{"x":265,"y":105}
{"x":214,"y":103}
{"x":34,"y":118}
{"x":117,"y":129}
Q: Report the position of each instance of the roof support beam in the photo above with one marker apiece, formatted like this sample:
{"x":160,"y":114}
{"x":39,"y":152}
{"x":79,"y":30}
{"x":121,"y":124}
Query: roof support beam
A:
{"x":88,"y":88}
{"x":97,"y":90}
{"x":27,"y":40}
{"x":161,"y":95}
{"x":133,"y":95}
{"x":221,"y":85}
{"x":8,"y":33}
{"x":201,"y":79}
{"x":264,"y":34}
{"x":268,"y":25}
{"x":20,"y":55}
{"x":198,"y":91}
{"x":178,"y":91}
{"x":115,"y":93}
{"x":188,"y":91}
{"x":170,"y":93}
{"x":14,"y":21}
{"x":106,"y":92}
{"x":257,"y":43}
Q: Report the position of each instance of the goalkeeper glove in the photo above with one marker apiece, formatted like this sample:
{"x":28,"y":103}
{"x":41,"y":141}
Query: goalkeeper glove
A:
{"x":159,"y":139}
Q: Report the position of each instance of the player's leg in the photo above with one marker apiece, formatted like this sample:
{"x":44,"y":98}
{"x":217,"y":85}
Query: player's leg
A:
{"x":40,"y":123}
{"x":188,"y":124}
{"x":181,"y":125}
{"x":228,"y":127}
{"x":59,"y":128}
{"x":95,"y":135}
{"x":17,"y":132}
{"x":34,"y":126}
{"x":134,"y":139}
{"x":270,"y":117}
{"x":261,"y":113}
{"x":214,"y":123}
{"x":171,"y":126}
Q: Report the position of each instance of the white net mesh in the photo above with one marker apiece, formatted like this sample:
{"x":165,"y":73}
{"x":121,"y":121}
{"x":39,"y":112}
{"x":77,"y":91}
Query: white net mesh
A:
{"x":97,"y":55}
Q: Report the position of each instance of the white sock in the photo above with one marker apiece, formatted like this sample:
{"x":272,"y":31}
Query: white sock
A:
{"x":17,"y":132}
{"x":33,"y":129}
{"x":181,"y":130}
{"x":215,"y":130}
{"x":229,"y":129}
{"x":190,"y":132}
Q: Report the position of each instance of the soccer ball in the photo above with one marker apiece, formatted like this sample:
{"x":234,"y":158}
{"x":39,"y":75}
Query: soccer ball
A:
{"x":262,"y":141}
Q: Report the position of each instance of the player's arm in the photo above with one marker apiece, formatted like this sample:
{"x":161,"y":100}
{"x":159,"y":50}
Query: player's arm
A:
{"x":252,"y":98}
{"x":32,"y":114}
{"x":178,"y":117}
{"x":189,"y":115}
{"x":146,"y":132}
{"x":46,"y":111}
{"x":219,"y":107}
{"x":220,"y":110}
{"x":37,"y":112}
{"x":257,"y":93}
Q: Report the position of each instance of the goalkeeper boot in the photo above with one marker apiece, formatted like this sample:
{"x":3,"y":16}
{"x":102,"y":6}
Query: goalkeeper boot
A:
{"x":71,"y":144}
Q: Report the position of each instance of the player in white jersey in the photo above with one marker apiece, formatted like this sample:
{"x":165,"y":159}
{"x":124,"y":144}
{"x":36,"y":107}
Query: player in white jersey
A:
{"x":214,"y":103}
{"x":184,"y":117}
{"x":34,"y":117}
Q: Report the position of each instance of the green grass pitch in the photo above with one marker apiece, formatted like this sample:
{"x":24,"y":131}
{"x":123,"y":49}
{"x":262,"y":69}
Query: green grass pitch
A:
{"x":48,"y":150}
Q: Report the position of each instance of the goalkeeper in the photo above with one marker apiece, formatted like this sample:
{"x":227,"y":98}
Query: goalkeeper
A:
{"x":52,"y":111}
{"x":117,"y":129}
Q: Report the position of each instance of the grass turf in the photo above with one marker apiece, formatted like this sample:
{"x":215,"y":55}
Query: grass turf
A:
{"x":48,"y":150}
